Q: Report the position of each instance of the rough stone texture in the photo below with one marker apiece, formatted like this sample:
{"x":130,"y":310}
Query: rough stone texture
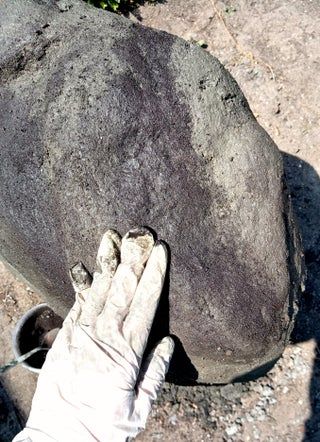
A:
{"x":105,"y":123}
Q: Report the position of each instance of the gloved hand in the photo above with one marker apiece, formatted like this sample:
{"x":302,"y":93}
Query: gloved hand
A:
{"x":92,"y":386}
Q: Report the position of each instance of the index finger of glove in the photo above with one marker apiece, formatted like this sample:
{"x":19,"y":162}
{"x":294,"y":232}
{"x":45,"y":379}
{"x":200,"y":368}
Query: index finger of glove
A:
{"x":136,"y":247}
{"x":139,"y":320}
{"x":81,"y":281}
{"x":107,"y":262}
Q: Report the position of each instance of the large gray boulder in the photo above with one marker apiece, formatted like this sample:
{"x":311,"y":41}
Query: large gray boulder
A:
{"x":105,"y":123}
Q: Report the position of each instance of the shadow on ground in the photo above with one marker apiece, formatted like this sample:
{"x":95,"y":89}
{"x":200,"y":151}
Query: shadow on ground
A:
{"x":10,"y":420}
{"x":304,"y":186}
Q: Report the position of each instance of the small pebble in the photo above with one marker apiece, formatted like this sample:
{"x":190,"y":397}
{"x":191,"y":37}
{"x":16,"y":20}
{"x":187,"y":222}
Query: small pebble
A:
{"x":231,"y":431}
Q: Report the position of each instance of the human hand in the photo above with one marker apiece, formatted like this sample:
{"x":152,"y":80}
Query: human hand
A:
{"x":93,"y":385}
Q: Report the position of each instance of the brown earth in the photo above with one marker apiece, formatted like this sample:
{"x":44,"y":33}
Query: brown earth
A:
{"x":272,"y":48}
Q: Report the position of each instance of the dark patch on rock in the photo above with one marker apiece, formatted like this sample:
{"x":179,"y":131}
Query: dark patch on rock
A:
{"x":113,"y":125}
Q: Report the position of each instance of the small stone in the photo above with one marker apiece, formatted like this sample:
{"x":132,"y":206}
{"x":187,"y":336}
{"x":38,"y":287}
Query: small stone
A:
{"x":231,"y":431}
{"x":173,"y":419}
{"x":268,"y":391}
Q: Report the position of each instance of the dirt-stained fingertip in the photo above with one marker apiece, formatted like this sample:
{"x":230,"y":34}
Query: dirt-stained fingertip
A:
{"x":136,"y":248}
{"x":113,"y":236}
{"x":160,"y":254}
{"x":166,"y":347}
{"x":136,"y":232}
{"x":80,"y":277}
{"x":108,"y":255}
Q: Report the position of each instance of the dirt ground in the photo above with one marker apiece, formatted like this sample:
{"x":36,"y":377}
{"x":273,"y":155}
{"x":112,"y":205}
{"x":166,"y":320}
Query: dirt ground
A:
{"x":272,"y":48}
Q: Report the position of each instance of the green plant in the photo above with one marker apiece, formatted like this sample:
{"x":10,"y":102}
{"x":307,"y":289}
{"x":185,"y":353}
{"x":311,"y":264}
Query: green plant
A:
{"x":114,"y":5}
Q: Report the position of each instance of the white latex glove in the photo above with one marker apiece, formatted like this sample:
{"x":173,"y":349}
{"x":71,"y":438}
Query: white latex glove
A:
{"x":92,"y":386}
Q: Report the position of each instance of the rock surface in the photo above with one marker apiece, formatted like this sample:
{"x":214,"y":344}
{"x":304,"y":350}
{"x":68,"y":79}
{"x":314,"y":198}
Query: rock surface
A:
{"x":105,"y":123}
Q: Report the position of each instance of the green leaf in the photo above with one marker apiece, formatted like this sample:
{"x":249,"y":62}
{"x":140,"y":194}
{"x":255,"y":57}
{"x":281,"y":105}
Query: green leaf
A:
{"x":114,"y":4}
